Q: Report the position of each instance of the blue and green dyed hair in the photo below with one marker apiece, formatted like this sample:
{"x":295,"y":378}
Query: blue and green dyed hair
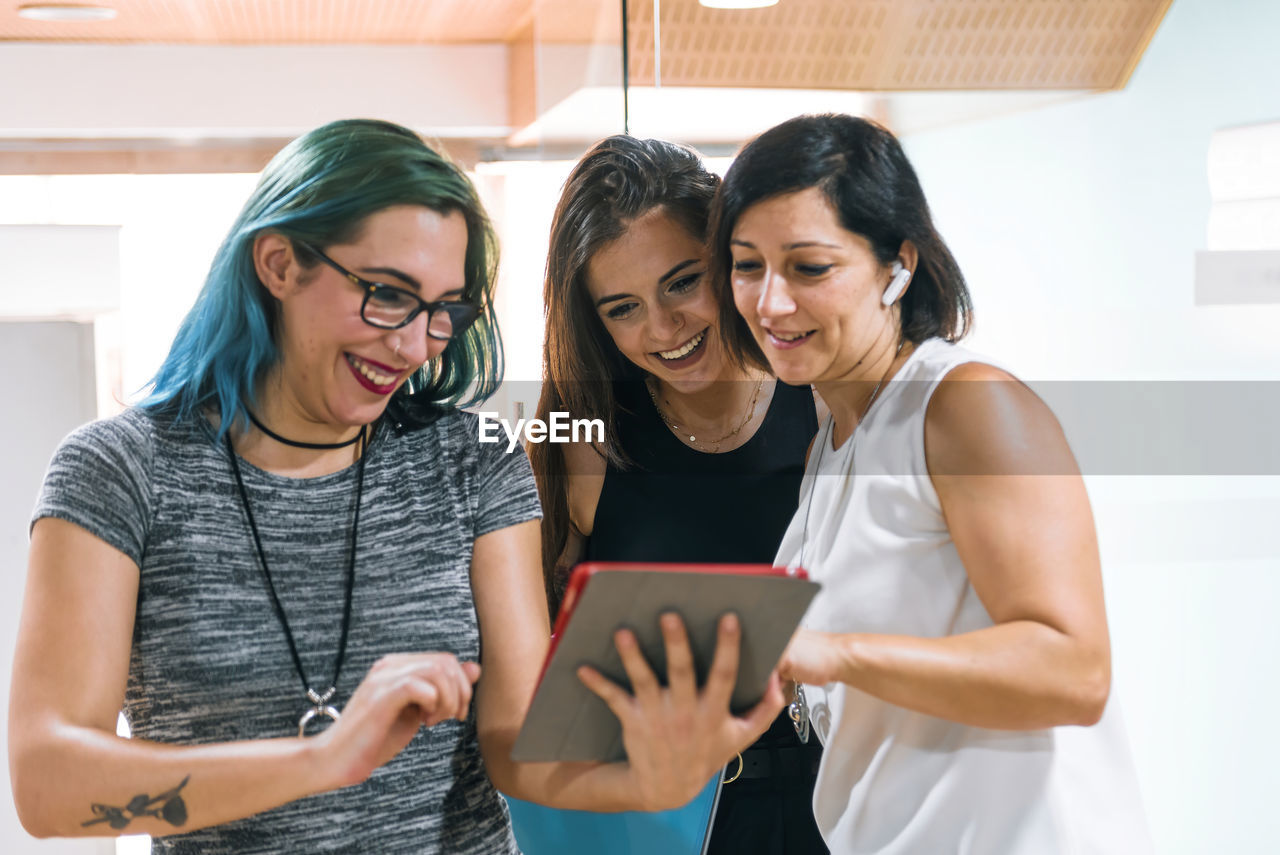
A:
{"x":319,"y":190}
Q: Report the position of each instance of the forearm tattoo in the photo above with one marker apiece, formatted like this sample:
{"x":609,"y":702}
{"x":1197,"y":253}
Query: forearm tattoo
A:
{"x":168,"y":806}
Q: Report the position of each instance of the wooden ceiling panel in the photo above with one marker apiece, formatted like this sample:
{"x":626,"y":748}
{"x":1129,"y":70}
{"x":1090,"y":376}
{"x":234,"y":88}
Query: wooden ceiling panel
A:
{"x":325,"y":21}
{"x":886,"y":45}
{"x":870,"y":45}
{"x":305,"y":21}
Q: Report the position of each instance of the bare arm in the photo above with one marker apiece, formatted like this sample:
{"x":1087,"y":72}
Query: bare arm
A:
{"x":68,"y":685}
{"x":585,"y":466}
{"x":677,"y":738}
{"x":1016,"y":507}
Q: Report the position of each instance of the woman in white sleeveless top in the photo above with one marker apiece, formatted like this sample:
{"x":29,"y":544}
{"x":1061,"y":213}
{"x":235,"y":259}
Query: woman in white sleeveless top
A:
{"x":956,"y":663}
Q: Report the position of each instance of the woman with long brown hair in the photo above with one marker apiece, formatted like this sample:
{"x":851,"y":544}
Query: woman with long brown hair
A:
{"x":702,"y":454}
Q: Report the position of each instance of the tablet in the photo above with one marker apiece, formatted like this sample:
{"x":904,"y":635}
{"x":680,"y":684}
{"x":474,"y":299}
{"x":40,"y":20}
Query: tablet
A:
{"x":567,"y":722}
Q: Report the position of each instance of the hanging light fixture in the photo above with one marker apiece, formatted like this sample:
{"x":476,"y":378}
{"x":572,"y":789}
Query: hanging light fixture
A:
{"x":65,"y":12}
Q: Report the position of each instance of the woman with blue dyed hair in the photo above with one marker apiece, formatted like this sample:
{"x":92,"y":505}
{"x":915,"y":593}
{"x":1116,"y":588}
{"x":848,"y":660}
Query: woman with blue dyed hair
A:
{"x":297,"y":527}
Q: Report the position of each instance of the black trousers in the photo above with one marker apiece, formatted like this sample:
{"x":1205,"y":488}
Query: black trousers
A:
{"x":768,"y":810}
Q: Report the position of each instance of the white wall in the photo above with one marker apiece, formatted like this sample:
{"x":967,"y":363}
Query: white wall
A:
{"x":193,"y":91}
{"x":1077,"y":225}
{"x":40,"y":406}
{"x":59,"y":270}
{"x":1085,"y":216}
{"x":166,"y":228}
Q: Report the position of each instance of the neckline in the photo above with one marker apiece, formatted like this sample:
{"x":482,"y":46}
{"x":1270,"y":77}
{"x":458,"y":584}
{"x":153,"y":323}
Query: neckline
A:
{"x":363,"y":433}
{"x":655,"y":419}
{"x":889,"y":390}
{"x":338,"y":476}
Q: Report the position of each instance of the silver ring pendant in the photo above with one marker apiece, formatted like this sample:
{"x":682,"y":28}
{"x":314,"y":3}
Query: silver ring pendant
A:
{"x":327,"y":711}
{"x":798,"y":712}
{"x":320,"y":707}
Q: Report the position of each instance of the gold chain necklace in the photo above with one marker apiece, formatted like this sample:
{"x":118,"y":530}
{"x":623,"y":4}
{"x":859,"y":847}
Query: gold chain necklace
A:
{"x":715,"y":443}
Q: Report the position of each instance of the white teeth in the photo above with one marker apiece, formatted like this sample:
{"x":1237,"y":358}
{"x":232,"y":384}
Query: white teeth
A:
{"x":686,"y":349}
{"x":374,"y":377}
{"x":783,"y":337}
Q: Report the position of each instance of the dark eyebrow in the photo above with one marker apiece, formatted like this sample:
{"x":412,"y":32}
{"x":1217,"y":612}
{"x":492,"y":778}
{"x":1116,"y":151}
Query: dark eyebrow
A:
{"x":413,"y":283}
{"x":797,"y":245}
{"x":613,"y":298}
{"x":410,"y":281}
{"x":395,"y":274}
{"x":804,"y":243}
{"x":673,"y":271}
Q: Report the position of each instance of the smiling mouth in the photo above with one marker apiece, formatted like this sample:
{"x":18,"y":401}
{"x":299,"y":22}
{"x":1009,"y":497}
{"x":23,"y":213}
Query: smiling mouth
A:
{"x":373,"y":375}
{"x":685,"y":349}
{"x":790,"y":338}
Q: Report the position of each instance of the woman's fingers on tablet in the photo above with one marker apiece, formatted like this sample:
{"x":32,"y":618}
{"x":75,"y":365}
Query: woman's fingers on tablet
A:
{"x":644,"y":684}
{"x":614,"y":696}
{"x":724,"y":665}
{"x":681,"y":679}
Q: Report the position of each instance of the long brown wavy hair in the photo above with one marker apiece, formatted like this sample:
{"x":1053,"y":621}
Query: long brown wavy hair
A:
{"x":619,"y":180}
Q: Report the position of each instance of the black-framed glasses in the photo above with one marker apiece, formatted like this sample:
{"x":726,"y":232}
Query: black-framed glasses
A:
{"x":388,"y":307}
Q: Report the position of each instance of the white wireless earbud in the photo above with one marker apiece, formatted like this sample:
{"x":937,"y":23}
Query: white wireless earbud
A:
{"x":898,"y":284}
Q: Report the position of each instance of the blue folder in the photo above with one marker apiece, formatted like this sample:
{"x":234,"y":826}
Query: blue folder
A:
{"x":548,"y":831}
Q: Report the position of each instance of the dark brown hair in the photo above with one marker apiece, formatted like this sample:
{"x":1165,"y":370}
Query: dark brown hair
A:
{"x":620,"y":179}
{"x":865,"y":174}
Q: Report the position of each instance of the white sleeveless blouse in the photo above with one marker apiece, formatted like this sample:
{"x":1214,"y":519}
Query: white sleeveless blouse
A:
{"x":896,"y":781}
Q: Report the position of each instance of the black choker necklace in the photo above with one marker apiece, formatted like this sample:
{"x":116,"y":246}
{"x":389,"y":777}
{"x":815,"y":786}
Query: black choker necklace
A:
{"x":321,"y":446}
{"x":319,"y":701}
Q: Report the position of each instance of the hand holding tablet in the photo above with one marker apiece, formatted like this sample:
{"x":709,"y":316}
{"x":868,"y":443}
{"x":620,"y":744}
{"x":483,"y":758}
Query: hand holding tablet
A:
{"x":665,"y":663}
{"x":675,"y":736}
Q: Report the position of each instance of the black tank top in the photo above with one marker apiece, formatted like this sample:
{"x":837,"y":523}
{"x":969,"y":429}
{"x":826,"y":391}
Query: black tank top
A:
{"x":680,"y":504}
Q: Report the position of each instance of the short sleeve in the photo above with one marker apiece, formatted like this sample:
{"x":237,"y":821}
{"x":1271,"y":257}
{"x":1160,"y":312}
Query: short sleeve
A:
{"x":506,"y":492}
{"x":99,"y":479}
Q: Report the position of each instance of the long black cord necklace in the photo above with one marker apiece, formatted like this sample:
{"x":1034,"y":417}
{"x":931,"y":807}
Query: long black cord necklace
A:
{"x":319,"y":701}
{"x":798,"y":709}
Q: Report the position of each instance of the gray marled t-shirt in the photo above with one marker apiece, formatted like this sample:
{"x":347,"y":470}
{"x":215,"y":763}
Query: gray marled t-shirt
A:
{"x":210,"y":662}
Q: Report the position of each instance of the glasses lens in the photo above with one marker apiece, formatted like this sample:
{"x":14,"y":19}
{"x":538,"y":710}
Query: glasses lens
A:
{"x":450,"y":319}
{"x":388,"y":307}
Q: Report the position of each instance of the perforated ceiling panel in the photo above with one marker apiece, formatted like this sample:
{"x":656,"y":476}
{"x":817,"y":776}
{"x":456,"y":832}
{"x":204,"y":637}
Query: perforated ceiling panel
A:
{"x":839,"y":44}
{"x":896,"y":44}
